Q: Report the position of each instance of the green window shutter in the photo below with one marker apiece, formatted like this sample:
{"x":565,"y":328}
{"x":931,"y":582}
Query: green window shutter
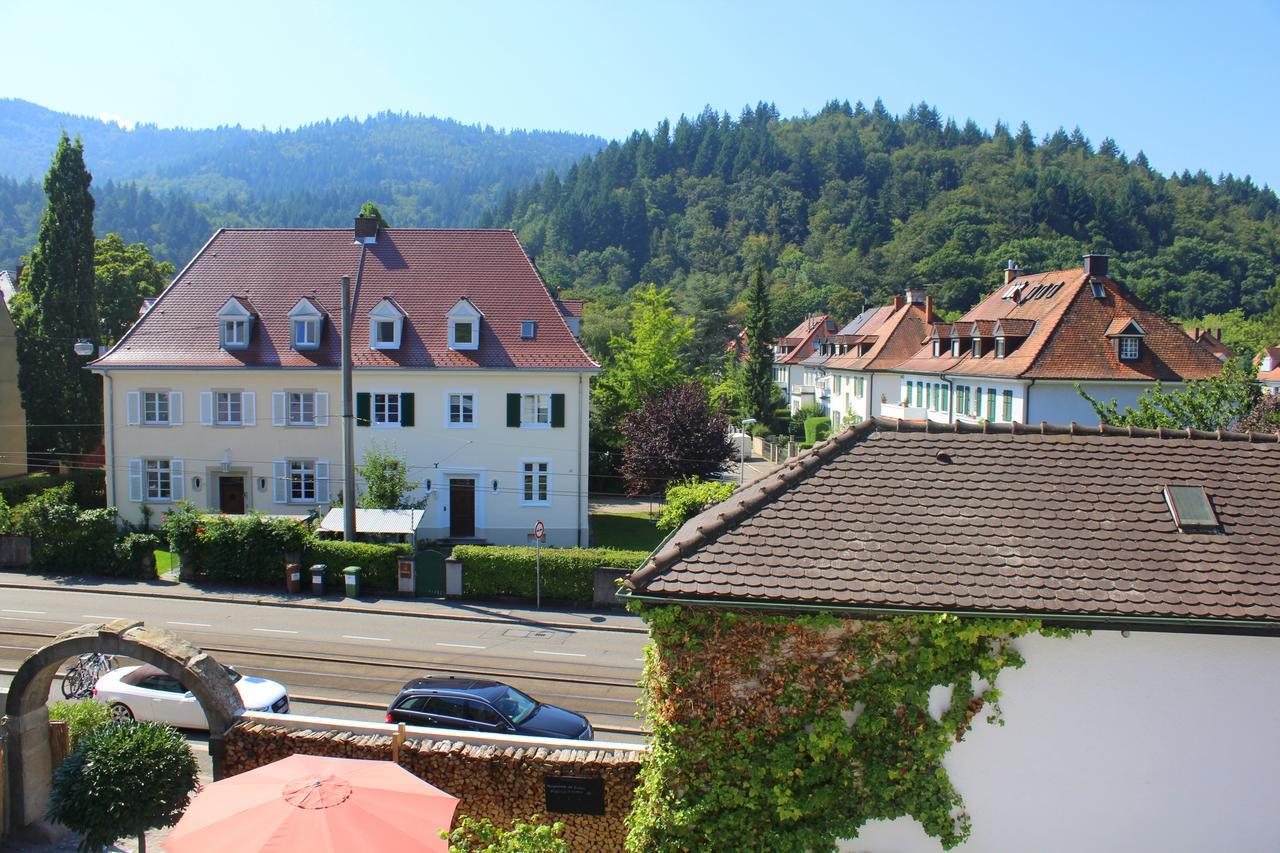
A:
{"x":363,"y":409}
{"x":557,"y":410}
{"x":513,"y":410}
{"x":406,"y":410}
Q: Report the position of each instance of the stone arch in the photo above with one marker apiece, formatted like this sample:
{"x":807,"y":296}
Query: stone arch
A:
{"x":27,"y":714}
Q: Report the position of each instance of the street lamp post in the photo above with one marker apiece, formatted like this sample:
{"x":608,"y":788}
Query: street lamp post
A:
{"x":742,"y":450}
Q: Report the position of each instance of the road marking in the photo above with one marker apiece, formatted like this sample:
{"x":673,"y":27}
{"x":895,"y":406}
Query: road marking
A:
{"x":32,"y":612}
{"x":275,"y":631}
{"x":461,"y":646}
{"x":41,"y":621}
{"x":596,"y":698}
{"x":561,"y":654}
{"x":98,"y":616}
{"x":192,"y":624}
{"x":358,"y":637}
{"x":638,"y":660}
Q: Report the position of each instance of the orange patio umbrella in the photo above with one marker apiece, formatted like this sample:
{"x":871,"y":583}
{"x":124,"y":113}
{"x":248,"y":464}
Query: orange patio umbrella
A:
{"x":317,"y":805}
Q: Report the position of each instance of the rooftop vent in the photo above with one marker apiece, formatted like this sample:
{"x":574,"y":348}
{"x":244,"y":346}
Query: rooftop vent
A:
{"x":1095,"y":264}
{"x":1191,"y":509}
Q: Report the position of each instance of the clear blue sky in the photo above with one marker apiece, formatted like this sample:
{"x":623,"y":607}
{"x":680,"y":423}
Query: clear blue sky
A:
{"x":1193,"y":84}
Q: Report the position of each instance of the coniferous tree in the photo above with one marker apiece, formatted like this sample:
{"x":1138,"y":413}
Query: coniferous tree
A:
{"x":56,"y":308}
{"x":758,"y":375}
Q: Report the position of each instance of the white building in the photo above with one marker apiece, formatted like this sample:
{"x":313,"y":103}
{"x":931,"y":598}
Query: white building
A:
{"x":1268,"y":362}
{"x":227,"y":392}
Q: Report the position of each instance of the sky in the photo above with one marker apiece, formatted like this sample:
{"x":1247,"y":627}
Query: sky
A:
{"x":1191,"y":84}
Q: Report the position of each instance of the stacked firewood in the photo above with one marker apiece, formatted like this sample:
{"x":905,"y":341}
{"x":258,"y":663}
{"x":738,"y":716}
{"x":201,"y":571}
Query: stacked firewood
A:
{"x":503,"y":784}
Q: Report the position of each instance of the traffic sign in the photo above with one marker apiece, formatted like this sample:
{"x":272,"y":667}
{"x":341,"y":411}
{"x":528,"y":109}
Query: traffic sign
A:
{"x":539,"y":531}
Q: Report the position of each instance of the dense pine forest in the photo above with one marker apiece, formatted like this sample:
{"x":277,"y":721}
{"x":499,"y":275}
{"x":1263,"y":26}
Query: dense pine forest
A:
{"x":170,"y":188}
{"x":846,"y":207}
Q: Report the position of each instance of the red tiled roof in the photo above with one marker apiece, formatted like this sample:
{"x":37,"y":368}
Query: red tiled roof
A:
{"x":1213,"y":343}
{"x":423,"y":271}
{"x":803,"y":335}
{"x":1272,"y":375}
{"x":1118,"y":326}
{"x":897,"y":335}
{"x":1007,"y":519}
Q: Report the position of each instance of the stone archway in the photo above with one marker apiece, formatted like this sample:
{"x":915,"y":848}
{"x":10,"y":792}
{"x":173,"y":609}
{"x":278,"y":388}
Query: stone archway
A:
{"x":27,"y":714}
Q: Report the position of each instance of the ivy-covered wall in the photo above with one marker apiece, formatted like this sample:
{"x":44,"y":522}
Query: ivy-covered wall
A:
{"x":788,"y":732}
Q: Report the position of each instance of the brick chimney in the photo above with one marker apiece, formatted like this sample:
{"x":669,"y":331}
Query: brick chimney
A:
{"x":366,"y":230}
{"x":898,"y":302}
{"x":1011,"y":272}
{"x":1095,"y":265}
{"x":1217,"y":333}
{"x":928,"y":309}
{"x":915,"y":295}
{"x":17,"y":276}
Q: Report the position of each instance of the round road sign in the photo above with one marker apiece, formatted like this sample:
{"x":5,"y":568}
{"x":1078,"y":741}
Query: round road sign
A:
{"x":539,"y":531}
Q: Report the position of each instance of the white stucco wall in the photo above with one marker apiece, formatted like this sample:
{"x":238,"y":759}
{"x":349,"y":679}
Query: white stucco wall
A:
{"x":1154,"y":742}
{"x":1060,"y":403}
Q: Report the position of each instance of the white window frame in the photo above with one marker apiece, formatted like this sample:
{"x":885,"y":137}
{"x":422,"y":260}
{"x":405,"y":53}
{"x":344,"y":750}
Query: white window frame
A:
{"x":1130,"y":348}
{"x":161,"y":470}
{"x":147,"y":419}
{"x":301,"y":397}
{"x":473,"y":333}
{"x":235,"y":332}
{"x":385,"y":312}
{"x":298,"y":471}
{"x":373,"y":408}
{"x":306,"y":333}
{"x":448,"y":408}
{"x":534,"y":424}
{"x":218,"y":419}
{"x":528,"y":330}
{"x":530,"y":479}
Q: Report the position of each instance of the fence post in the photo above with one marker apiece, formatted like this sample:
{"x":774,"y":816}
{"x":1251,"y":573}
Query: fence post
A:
{"x":59,"y":742}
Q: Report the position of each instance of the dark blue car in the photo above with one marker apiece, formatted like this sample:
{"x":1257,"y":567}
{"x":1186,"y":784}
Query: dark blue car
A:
{"x":482,"y":706}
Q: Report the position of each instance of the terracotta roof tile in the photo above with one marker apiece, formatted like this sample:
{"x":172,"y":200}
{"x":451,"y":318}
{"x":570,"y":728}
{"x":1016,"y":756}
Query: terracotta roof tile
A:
{"x":1051,"y":521}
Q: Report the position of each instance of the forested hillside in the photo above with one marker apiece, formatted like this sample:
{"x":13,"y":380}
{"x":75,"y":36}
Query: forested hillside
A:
{"x":848,"y":206}
{"x":171,"y":187}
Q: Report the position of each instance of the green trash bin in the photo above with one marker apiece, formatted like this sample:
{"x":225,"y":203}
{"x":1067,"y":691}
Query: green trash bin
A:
{"x":351,"y":575}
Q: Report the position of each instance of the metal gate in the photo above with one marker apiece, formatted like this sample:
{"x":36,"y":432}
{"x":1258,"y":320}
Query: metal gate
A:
{"x":428,"y":571}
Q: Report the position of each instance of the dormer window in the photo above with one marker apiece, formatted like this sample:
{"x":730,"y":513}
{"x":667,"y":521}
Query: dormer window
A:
{"x":1126,"y":336}
{"x":235,"y":322}
{"x":977,"y":347}
{"x":1130,"y":348}
{"x":464,"y":325}
{"x":304,"y":324}
{"x":955,"y":347}
{"x":1000,"y":346}
{"x":528,"y":330}
{"x":386,"y":321}
{"x":937,"y":347}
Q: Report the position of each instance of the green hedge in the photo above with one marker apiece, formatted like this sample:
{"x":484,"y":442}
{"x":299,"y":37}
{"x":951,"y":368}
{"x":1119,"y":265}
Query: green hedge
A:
{"x":378,"y":562}
{"x":64,"y":537}
{"x":88,"y":488}
{"x":816,"y":429}
{"x":568,"y":574}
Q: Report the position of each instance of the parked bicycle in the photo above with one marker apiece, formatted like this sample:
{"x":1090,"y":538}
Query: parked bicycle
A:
{"x":83,"y":675}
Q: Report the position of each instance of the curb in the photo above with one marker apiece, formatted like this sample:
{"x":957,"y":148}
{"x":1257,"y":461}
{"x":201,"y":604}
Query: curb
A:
{"x":308,"y":605}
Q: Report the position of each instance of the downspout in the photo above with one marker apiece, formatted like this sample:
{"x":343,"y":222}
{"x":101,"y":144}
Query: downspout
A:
{"x":1026,"y":403}
{"x":951,"y":398}
{"x":111,"y":439}
{"x":581,"y":466}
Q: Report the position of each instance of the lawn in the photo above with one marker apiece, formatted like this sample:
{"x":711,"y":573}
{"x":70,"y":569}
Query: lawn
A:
{"x":165,"y":562}
{"x":634,"y":532}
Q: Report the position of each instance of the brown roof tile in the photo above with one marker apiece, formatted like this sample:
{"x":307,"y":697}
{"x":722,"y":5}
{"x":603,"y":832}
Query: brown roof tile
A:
{"x":1048,"y":521}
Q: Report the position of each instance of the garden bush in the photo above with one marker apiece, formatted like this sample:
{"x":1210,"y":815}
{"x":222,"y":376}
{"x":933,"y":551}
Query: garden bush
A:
{"x":135,"y":555}
{"x":80,"y":717}
{"x":88,"y":487}
{"x":816,"y":429}
{"x":687,"y":499}
{"x":378,"y":561}
{"x":245,"y":550}
{"x":63,"y":536}
{"x":568,"y":574}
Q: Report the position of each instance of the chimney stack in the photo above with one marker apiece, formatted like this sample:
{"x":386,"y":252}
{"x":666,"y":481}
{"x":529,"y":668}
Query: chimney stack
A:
{"x":1011,"y":272}
{"x":915,"y":295}
{"x":898,"y":302}
{"x":1217,"y":333}
{"x":17,"y":275}
{"x":1095,"y":265}
{"x":928,"y":309}
{"x":366,"y":230}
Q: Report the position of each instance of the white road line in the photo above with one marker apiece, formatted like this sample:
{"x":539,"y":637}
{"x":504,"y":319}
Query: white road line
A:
{"x":41,"y":621}
{"x":191,"y":624}
{"x":560,"y":654}
{"x":638,"y":660}
{"x":461,"y":646}
{"x":358,"y":637}
{"x":275,"y":631}
{"x":32,"y":612}
{"x":98,"y":616}
{"x":596,"y":698}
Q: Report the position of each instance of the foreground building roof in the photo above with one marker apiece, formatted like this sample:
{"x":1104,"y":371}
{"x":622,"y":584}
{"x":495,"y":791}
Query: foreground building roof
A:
{"x":423,"y":272}
{"x":1067,"y":523}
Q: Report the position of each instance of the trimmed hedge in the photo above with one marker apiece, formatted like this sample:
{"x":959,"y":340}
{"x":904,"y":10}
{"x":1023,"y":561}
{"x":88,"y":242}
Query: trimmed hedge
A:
{"x":65,"y":537}
{"x":816,"y":430}
{"x":568,"y":574}
{"x":378,"y":562}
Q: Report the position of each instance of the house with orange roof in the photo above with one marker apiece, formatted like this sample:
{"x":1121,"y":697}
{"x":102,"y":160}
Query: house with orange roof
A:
{"x":798,"y":381}
{"x":1268,"y":364}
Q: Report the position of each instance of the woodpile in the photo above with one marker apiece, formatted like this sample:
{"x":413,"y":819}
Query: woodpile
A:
{"x":501,"y":784}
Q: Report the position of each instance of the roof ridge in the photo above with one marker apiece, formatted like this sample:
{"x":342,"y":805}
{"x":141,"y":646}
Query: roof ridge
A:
{"x":1074,"y":429}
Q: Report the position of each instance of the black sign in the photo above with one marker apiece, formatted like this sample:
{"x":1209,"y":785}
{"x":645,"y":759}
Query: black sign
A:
{"x":574,"y":794}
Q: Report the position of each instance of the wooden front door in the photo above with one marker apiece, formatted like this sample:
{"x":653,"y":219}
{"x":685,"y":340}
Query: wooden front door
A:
{"x":231,"y":495}
{"x":462,"y":508}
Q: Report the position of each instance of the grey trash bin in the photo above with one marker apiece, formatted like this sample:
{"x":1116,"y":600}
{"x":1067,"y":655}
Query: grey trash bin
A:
{"x":317,"y":578}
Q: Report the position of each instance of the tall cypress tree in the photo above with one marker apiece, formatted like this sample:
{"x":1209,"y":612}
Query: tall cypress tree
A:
{"x":55,"y":309}
{"x":758,"y":375}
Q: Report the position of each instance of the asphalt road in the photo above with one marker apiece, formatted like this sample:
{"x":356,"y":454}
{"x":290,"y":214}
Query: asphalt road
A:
{"x":342,"y":660}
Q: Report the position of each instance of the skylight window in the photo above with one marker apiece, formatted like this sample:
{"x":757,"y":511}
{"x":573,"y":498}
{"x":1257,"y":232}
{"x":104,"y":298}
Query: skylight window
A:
{"x":1191,"y":509}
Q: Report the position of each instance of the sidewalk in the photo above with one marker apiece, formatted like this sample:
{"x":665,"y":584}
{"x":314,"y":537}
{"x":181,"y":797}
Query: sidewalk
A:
{"x":475,"y":611}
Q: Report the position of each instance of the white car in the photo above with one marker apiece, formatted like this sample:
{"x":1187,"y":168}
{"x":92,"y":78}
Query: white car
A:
{"x":147,"y":693}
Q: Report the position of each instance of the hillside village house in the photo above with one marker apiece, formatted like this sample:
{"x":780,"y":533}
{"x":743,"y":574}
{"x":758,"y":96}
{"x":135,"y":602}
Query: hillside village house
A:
{"x":1152,"y":732}
{"x":1268,"y":363}
{"x":227,"y":392}
{"x":1015,"y":357}
{"x":13,"y":418}
{"x":798,"y":381}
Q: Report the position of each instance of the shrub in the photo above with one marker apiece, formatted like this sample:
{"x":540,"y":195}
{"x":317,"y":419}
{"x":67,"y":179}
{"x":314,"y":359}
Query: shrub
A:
{"x":761,"y":430}
{"x":135,"y":555}
{"x":88,"y":487}
{"x":480,"y":835}
{"x":687,"y":499}
{"x":62,"y":535}
{"x":123,"y":780}
{"x":799,"y":416}
{"x":568,"y":574}
{"x":816,"y":429}
{"x":80,"y":717}
{"x":248,"y":549}
{"x":378,"y":561}
{"x":181,"y":526}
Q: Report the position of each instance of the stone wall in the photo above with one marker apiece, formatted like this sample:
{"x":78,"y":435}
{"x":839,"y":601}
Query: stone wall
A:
{"x":491,"y":781}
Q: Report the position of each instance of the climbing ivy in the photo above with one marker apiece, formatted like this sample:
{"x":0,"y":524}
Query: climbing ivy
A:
{"x":787,"y":732}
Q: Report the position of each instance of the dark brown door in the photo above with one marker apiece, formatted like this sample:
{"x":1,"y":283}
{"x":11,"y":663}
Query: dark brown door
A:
{"x":231,"y":495}
{"x":462,"y":508}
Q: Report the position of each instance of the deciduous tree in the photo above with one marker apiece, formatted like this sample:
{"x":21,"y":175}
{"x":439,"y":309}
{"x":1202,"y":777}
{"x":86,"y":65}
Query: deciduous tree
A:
{"x":1219,"y":402}
{"x":124,"y":275}
{"x":675,"y":434}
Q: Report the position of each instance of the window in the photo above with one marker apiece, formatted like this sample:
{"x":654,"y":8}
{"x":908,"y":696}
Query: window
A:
{"x":462,"y":409}
{"x":859,"y":386}
{"x":1130,"y":347}
{"x":1192,"y":511}
{"x":535,"y":410}
{"x":159,"y":474}
{"x":385,"y":332}
{"x":1000,"y":347}
{"x":536,"y":483}
{"x":937,"y":347}
{"x":302,"y":482}
{"x":442,"y":706}
{"x":977,"y":403}
{"x":919,"y":395}
{"x":955,"y":347}
{"x":155,"y":407}
{"x":230,"y":408}
{"x":906,"y":397}
{"x":977,"y":347}
{"x":463,"y":333}
{"x":464,"y":325}
{"x":1099,"y":291}
{"x":933,"y":395}
{"x":991,"y":404}
{"x":780,"y":375}
{"x":945,"y":394}
{"x":528,"y":329}
{"x":1007,"y":408}
{"x":306,"y":334}
{"x":235,"y":333}
{"x":386,"y":321}
{"x":386,"y":410}
{"x":302,"y":408}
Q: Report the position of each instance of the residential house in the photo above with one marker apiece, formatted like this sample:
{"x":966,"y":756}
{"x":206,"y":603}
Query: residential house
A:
{"x":227,"y":392}
{"x":1148,"y":732}
{"x":13,"y":417}
{"x":1211,"y":339}
{"x":797,"y":381}
{"x":1268,"y":364}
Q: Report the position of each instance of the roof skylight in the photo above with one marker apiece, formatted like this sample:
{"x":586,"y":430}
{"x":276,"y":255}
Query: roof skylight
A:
{"x":1191,"y":508}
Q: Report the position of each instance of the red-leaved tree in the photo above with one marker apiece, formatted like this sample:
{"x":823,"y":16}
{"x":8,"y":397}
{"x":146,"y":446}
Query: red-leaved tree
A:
{"x":674,"y":434}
